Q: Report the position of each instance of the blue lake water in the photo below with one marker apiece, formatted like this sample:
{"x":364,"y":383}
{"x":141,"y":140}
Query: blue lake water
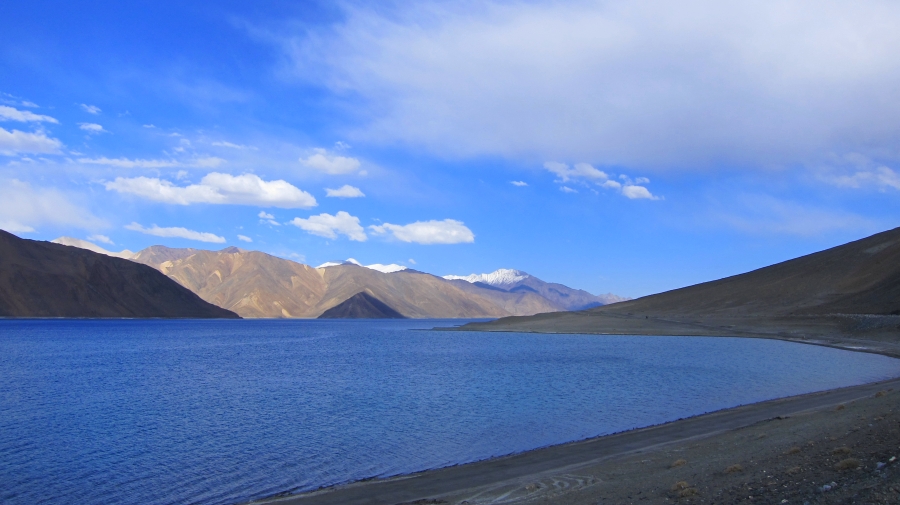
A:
{"x":221,"y":412}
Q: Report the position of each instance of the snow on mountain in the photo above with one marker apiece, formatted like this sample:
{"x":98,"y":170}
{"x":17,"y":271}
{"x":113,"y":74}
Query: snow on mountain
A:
{"x":90,"y":246}
{"x":385,"y":269}
{"x":501,"y":277}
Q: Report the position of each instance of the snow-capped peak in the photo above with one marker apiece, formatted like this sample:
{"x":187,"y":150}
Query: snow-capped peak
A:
{"x":386,"y":269}
{"x":502,"y":277}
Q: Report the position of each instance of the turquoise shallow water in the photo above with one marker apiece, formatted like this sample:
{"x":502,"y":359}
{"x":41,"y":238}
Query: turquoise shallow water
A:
{"x":220,"y":412}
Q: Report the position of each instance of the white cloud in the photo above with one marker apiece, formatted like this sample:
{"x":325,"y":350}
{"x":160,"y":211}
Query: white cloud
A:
{"x":244,"y":238}
{"x":91,"y":127}
{"x":268,"y":218}
{"x":333,"y":164}
{"x":149,"y":126}
{"x":579,"y":171}
{"x":626,"y":83}
{"x":326,"y":225}
{"x":24,"y":208}
{"x":448,"y":231}
{"x":23,"y":116}
{"x":611,"y":185}
{"x":583,"y":173}
{"x":233,"y":146}
{"x":880,"y":177}
{"x":23,"y":142}
{"x":176,"y":232}
{"x":345,"y":191}
{"x":205,"y":162}
{"x":91,"y":109}
{"x":217,"y":188}
{"x":637,"y":192}
{"x":518,"y":183}
{"x":102,"y":239}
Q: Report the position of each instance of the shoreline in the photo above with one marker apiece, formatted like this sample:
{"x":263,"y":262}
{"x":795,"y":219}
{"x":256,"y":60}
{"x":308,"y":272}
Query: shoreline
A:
{"x":516,"y":478}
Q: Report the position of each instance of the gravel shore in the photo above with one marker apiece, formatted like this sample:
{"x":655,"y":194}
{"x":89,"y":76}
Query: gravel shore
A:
{"x":829,"y":447}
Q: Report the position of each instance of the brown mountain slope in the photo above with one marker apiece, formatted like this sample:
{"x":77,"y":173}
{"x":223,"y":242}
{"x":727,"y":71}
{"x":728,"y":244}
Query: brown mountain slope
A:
{"x":40,"y":279}
{"x":251,"y":283}
{"x":362,"y":305}
{"x":413,"y":294}
{"x":255,"y":284}
{"x":157,"y":254}
{"x":821,"y":293}
{"x":516,"y":303}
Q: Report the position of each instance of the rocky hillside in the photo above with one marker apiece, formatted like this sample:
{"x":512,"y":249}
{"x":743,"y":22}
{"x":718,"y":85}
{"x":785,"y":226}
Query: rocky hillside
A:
{"x":255,"y":284}
{"x":42,"y":279}
{"x":517,"y":281}
{"x":362,"y":305}
{"x":850,"y":289}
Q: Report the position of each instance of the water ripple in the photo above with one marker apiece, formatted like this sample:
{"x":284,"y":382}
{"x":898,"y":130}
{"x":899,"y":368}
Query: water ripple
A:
{"x":220,"y":412}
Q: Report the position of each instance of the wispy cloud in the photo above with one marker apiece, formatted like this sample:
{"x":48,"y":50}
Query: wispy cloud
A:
{"x":176,"y":232}
{"x":345,"y":191}
{"x":265,"y":217}
{"x":23,"y":116}
{"x":626,"y":83}
{"x":204,"y":162}
{"x":585,"y":173}
{"x":24,"y":142}
{"x":91,"y":109}
{"x":244,"y":238}
{"x":24,"y":208}
{"x":518,"y":183}
{"x":217,"y":188}
{"x":231,"y":145}
{"x":448,"y":231}
{"x":565,"y":173}
{"x":92,"y":128}
{"x":329,"y":163}
{"x":879,"y":177}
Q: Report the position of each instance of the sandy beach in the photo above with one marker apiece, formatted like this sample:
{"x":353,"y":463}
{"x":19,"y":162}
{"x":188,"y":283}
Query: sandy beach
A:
{"x":828,"y":447}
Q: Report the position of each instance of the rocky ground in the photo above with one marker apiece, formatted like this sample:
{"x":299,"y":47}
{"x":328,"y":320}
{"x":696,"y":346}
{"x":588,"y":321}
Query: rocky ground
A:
{"x":841,"y":446}
{"x":845,"y":454}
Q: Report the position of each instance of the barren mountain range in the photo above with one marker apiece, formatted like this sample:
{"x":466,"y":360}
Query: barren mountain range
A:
{"x":40,"y":279}
{"x":255,"y":284}
{"x":852,"y":289}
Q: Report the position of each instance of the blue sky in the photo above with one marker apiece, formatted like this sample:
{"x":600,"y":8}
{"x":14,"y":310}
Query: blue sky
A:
{"x":625,"y":147}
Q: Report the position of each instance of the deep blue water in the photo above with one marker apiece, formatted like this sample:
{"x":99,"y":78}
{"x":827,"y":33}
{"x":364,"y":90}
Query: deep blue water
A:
{"x":226,"y":411}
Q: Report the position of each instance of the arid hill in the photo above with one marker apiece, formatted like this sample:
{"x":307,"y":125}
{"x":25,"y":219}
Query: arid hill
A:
{"x":519,"y":282}
{"x":41,"y":279}
{"x":852,"y":289}
{"x":255,"y":284}
{"x":362,"y":305}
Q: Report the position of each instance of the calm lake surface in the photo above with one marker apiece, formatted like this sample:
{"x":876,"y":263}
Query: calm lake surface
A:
{"x":221,"y":412}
